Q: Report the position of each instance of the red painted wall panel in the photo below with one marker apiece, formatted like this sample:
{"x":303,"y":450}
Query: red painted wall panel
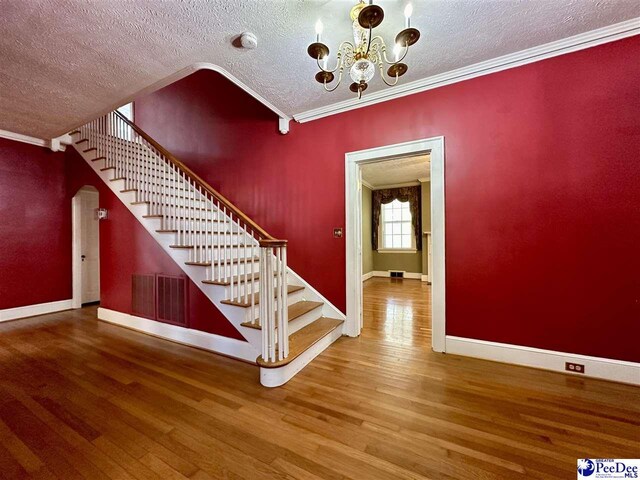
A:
{"x":35,"y":232}
{"x":542,"y":189}
{"x":127,"y":248}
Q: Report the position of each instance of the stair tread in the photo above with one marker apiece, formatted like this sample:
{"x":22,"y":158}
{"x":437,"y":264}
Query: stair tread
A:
{"x":216,"y":246}
{"x":208,"y":264}
{"x":303,"y":339}
{"x":240,"y":303}
{"x":199,"y":231}
{"x":296,"y":310}
{"x":236,"y":279}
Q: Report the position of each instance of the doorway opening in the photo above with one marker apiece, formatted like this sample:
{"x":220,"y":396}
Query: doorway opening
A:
{"x":85,"y":248}
{"x":395,"y":241}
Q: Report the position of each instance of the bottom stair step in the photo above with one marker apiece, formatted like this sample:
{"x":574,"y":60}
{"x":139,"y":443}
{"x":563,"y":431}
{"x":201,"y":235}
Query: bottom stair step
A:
{"x":304,"y":339}
{"x":296,"y":310}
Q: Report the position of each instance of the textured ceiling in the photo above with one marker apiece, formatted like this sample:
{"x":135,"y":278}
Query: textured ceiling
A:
{"x":396,"y":171}
{"x":64,"y":61}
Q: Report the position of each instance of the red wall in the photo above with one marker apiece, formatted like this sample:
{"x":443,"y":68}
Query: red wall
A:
{"x":127,"y":248}
{"x":542,"y":189}
{"x":35,"y":232}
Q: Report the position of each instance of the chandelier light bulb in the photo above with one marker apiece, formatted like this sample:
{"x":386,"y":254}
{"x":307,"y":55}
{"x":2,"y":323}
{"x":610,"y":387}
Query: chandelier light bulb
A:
{"x":396,"y":50}
{"x":325,"y":60}
{"x":319,"y":28}
{"x":408,"y":10}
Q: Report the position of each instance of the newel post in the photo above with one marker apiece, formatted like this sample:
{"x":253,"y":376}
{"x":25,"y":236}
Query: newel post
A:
{"x":273,"y":310}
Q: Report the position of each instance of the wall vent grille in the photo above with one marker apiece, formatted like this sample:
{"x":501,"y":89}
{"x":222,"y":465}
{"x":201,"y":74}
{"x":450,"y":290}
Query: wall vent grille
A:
{"x":172,"y":299}
{"x":396,"y":274}
{"x":143,"y":295}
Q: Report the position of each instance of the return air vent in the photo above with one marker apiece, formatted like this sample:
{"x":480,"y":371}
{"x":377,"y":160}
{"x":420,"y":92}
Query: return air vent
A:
{"x":143,"y":295}
{"x":396,"y":273}
{"x":172,"y":299}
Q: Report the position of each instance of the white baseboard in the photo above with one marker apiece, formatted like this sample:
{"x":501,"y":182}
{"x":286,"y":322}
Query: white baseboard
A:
{"x":367,"y":276}
{"x":607,"y":369}
{"x":385,"y":273}
{"x":186,"y":336}
{"x":425,"y":278}
{"x":32,"y":310}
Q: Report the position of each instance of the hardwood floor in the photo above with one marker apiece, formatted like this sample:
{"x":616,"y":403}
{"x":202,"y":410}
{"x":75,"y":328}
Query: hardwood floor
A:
{"x":84,"y":399}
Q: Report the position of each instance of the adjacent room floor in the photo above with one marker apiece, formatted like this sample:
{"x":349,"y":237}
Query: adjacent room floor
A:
{"x":84,"y":399}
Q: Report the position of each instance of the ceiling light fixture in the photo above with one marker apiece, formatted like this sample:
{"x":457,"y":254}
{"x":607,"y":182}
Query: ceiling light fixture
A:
{"x":366,"y":52}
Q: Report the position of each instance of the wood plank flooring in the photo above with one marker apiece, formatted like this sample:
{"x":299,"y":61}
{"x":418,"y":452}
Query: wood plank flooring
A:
{"x":82,"y":399}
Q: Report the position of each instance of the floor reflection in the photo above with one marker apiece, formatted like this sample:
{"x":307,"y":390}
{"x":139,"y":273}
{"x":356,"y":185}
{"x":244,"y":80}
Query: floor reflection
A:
{"x":397,"y":311}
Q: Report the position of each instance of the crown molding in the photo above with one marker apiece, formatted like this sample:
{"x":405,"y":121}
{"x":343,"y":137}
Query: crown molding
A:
{"x":396,"y":185}
{"x":18,"y":137}
{"x":55,"y":144}
{"x":367,"y":184}
{"x":283,"y":121}
{"x":581,"y":41}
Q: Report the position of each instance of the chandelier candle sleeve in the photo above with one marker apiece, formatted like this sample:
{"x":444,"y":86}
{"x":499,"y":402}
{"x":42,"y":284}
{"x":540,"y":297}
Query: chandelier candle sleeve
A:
{"x":366,"y":53}
{"x":408,"y":10}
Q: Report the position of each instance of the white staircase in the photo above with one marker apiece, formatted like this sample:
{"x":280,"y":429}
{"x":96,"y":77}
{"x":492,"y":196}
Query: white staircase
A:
{"x":230,"y":258}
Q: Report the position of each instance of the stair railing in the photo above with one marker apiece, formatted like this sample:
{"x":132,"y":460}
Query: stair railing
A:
{"x":218,"y":234}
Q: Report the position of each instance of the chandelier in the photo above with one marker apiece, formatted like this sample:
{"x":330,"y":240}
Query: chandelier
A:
{"x":366,"y":52}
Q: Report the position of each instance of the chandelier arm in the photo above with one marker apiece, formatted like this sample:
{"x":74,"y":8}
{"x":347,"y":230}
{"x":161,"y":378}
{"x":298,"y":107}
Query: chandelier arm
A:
{"x":338,"y":57}
{"x":369,"y":43}
{"x":337,"y":84}
{"x":384,"y":79}
{"x":404,"y":54}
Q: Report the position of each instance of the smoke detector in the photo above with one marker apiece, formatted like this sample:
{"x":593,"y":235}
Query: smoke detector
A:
{"x":248,"y":40}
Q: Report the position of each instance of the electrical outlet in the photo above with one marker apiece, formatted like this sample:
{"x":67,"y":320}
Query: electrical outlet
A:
{"x":574,"y":367}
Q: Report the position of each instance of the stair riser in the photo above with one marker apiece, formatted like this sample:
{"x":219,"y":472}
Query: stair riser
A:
{"x":275,"y":377}
{"x":231,"y":239}
{"x":291,"y":299}
{"x":301,"y":321}
{"x":233,"y":270}
{"x":214,"y":254}
{"x":248,"y":287}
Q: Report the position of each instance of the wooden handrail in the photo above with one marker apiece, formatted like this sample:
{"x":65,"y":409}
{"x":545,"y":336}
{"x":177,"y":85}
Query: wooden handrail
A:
{"x":204,"y":185}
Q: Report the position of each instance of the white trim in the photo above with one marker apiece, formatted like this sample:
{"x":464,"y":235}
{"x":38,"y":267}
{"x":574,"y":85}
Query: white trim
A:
{"x":185,"y":72}
{"x":575,"y":43}
{"x":368,"y":185}
{"x":367,"y":276}
{"x":76,"y":242}
{"x":353,"y":207}
{"x":397,"y":185}
{"x":57,"y":144}
{"x":283,"y":125}
{"x":18,"y":137}
{"x":424,"y":278}
{"x":387,"y":274}
{"x":608,"y":369}
{"x":397,"y":250}
{"x":186,"y":336}
{"x":32,"y":310}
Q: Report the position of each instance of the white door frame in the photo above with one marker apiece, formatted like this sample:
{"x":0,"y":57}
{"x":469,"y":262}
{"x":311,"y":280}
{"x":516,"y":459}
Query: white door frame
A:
{"x":76,"y":247}
{"x":353,"y":202}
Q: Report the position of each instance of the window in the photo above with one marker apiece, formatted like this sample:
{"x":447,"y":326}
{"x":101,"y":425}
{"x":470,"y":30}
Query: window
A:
{"x":396,"y":228}
{"x":127,"y":111}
